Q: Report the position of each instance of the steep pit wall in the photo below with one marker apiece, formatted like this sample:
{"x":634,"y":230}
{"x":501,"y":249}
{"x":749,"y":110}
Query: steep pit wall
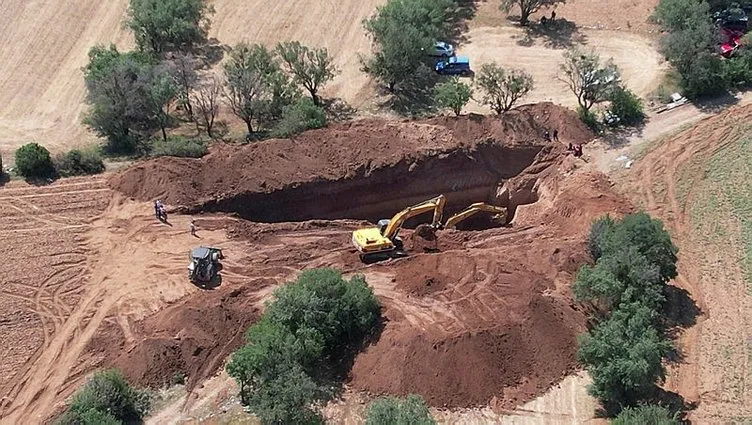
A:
{"x":463,"y":175}
{"x":367,"y":169}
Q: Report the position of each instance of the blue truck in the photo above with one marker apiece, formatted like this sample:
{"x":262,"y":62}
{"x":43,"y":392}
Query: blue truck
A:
{"x":457,"y":65}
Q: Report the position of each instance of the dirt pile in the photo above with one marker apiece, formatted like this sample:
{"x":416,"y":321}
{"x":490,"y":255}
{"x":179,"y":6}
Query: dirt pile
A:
{"x":191,"y":338}
{"x":366,"y":169}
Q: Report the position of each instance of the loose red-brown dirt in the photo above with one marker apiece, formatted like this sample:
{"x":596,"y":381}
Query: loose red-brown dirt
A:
{"x":487,"y":316}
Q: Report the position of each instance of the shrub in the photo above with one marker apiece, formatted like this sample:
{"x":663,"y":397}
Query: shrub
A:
{"x":393,"y":411}
{"x":452,"y":94}
{"x":178,"y":146}
{"x":627,"y":106}
{"x":624,"y":356}
{"x":33,"y":161}
{"x":589,"y":118}
{"x":298,"y":117}
{"x":646,"y":414}
{"x":79,"y":162}
{"x":309,"y":322}
{"x":597,"y":232}
{"x":106,"y":396}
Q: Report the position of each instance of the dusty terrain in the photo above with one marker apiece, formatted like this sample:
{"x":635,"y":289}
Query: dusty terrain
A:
{"x":46,"y":44}
{"x":486,"y":297}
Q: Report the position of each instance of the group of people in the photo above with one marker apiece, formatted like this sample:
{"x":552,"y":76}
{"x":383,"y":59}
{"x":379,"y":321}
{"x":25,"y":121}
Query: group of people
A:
{"x":575,"y":149}
{"x":161,"y":214}
{"x":159,"y":210}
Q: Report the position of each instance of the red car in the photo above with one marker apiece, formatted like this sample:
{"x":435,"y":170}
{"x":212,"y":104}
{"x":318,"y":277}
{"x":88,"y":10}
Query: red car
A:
{"x":731,"y":40}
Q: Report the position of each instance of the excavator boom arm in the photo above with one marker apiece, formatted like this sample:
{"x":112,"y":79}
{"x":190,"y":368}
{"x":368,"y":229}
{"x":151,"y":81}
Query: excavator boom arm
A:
{"x":436,"y":205}
{"x":472,"y":210}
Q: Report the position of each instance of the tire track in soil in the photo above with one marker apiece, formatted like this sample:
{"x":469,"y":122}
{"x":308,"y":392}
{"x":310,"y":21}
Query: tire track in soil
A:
{"x":66,"y":263}
{"x":124,"y":241}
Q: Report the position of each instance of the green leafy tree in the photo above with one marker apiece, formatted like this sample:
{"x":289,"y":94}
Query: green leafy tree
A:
{"x":116,"y":109}
{"x":34,"y":161}
{"x":452,"y":94}
{"x":401,"y":32}
{"x":650,"y":239}
{"x":158,"y":91}
{"x":394,"y":411}
{"x":311,"y":68}
{"x":624,"y":356}
{"x":598,"y":231}
{"x":342,"y":311}
{"x":161,"y":25}
{"x":257,"y":89}
{"x":646,"y":414}
{"x":309,"y":322}
{"x":129,"y":97}
{"x":675,"y":15}
{"x":502,"y":88}
{"x":527,"y":7}
{"x":589,"y":79}
{"x":627,"y":106}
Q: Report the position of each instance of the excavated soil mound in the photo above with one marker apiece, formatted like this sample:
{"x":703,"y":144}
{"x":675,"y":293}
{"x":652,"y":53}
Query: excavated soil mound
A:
{"x":192,"y":338}
{"x":472,"y":316}
{"x":366,"y":169}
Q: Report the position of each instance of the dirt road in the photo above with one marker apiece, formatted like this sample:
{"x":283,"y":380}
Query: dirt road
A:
{"x":640,"y":64}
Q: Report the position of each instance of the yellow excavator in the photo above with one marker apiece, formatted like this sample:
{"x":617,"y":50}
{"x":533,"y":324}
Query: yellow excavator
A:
{"x":382,"y":242}
{"x":500,"y":214}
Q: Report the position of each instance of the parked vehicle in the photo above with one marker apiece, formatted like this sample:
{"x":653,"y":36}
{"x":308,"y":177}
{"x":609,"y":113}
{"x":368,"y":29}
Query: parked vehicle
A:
{"x":456,"y":65}
{"x":441,"y":49}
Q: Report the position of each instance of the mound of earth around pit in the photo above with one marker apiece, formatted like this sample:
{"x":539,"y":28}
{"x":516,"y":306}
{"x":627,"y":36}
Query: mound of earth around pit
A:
{"x":367,"y":169}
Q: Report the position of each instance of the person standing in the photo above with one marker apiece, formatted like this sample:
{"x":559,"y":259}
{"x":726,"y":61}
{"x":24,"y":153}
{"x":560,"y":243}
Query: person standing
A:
{"x":556,"y":134}
{"x":192,"y":227}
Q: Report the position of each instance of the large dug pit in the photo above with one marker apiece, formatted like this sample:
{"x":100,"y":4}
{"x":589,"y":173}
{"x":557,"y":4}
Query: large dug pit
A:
{"x":368,"y":170}
{"x":487,"y":317}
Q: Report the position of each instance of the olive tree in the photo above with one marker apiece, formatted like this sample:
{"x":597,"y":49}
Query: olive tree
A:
{"x":452,"y":94}
{"x":527,"y":7}
{"x":588,"y":78}
{"x":311,"y":68}
{"x":502,"y":88}
{"x":207,"y":99}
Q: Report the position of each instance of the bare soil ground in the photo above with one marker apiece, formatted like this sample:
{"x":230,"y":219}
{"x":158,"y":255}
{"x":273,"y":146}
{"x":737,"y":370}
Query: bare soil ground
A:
{"x":494,"y":294}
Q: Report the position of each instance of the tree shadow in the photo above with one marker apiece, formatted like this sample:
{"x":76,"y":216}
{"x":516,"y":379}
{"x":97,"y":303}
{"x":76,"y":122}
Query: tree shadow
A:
{"x":680,"y":311}
{"x":338,"y":110}
{"x":717,"y":104}
{"x":210,"y":52}
{"x":618,"y":137}
{"x":673,"y":402}
{"x":556,"y":34}
{"x":334,"y":372}
{"x":458,"y":19}
{"x":4,"y":178}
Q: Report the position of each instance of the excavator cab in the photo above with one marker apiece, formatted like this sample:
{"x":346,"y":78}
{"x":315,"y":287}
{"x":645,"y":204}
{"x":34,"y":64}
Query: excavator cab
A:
{"x":382,"y":242}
